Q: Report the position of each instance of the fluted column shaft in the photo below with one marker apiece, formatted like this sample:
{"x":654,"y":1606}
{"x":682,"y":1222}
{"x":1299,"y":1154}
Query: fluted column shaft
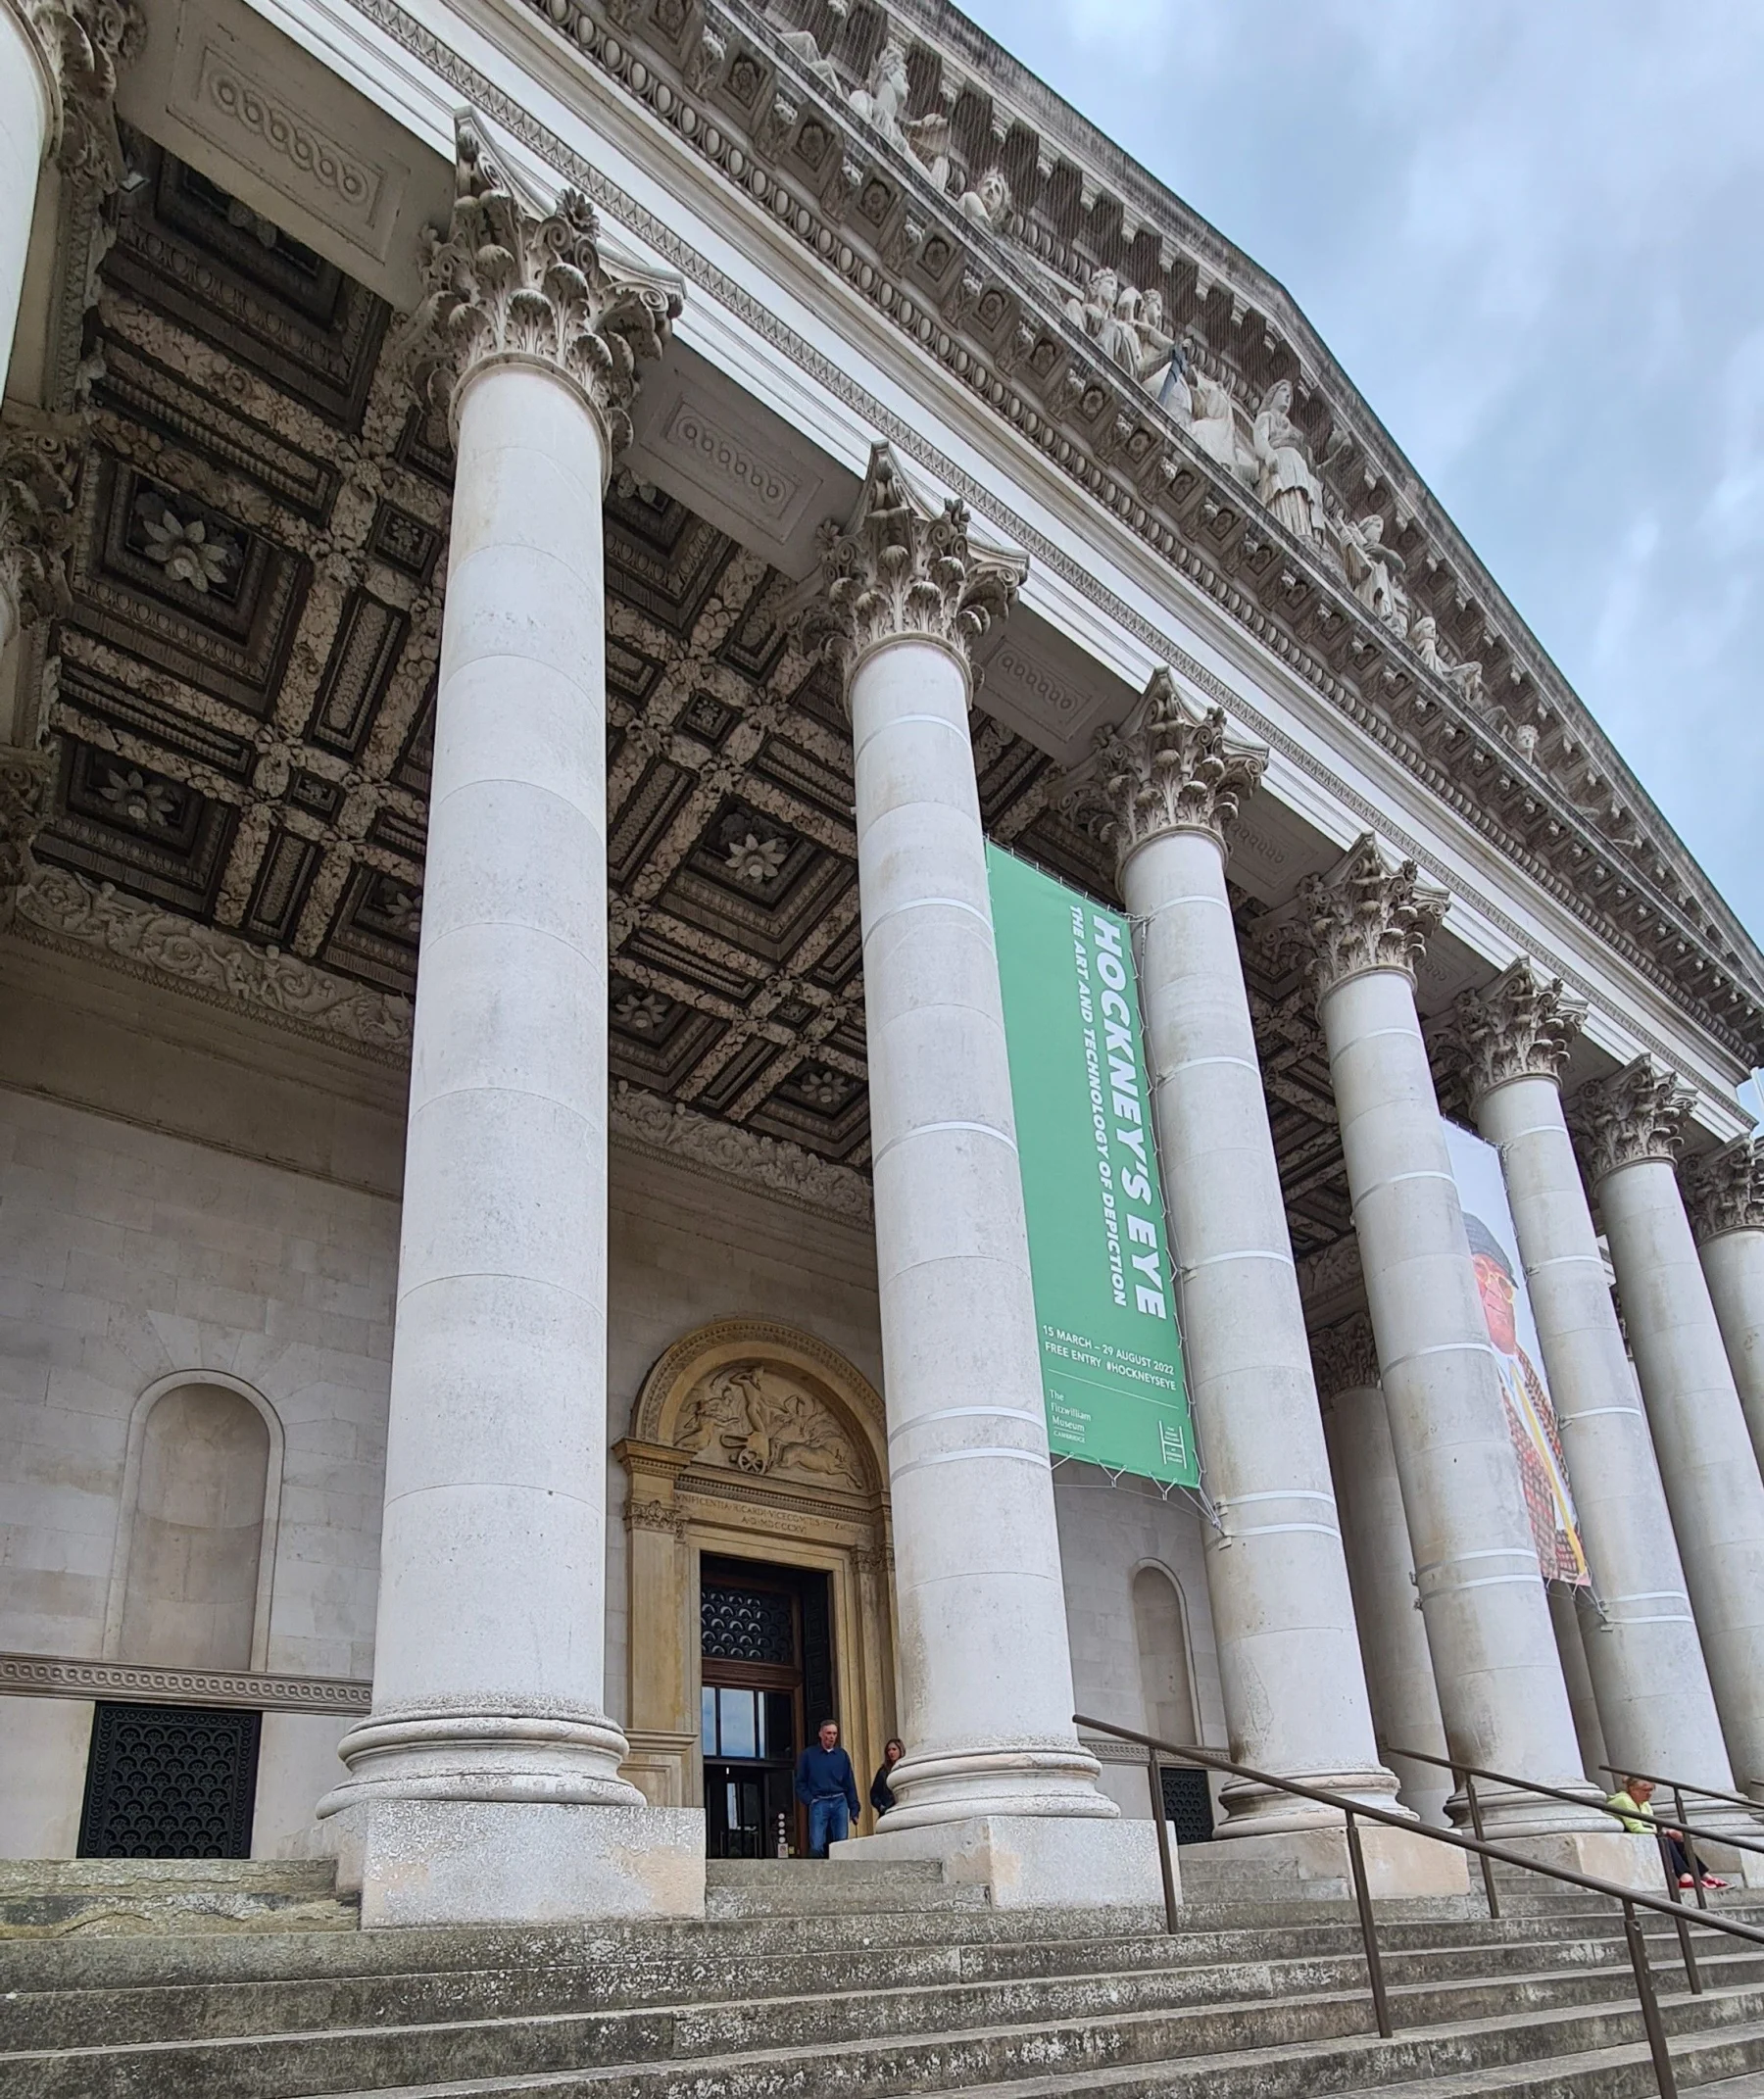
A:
{"x":1283,"y":1611}
{"x":1392,"y":1634}
{"x":986,"y":1677}
{"x":1732,"y":1264}
{"x":488,"y":1740}
{"x":1499,"y":1679}
{"x":1655,"y":1706}
{"x":1707,"y":1463}
{"x":1723,"y":1193}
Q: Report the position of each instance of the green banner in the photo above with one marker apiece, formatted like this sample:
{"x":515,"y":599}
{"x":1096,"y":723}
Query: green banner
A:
{"x":1099,"y":1244}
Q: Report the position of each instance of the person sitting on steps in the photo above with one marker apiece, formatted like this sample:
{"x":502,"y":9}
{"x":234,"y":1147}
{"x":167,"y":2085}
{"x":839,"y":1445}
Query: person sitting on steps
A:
{"x":1633,"y":1804}
{"x":828,"y":1786}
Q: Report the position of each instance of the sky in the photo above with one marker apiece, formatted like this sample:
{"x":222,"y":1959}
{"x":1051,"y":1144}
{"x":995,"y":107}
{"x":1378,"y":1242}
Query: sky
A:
{"x":1531,"y":231}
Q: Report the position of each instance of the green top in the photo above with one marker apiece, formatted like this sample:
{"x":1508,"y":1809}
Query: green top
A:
{"x":1638,"y":1815}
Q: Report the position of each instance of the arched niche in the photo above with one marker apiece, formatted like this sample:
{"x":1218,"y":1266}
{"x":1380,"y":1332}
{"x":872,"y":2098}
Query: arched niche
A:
{"x":750,"y":1439}
{"x":192,"y":1570}
{"x":1165,"y":1657}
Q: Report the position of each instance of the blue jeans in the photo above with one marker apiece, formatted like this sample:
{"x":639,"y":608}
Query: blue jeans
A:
{"x":829,"y":1822}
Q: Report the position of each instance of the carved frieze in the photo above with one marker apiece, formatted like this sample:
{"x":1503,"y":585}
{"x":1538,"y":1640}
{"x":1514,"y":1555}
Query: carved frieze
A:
{"x":508,"y":283}
{"x":1366,"y":914}
{"x":1170,"y":766}
{"x":83,"y":43}
{"x":1344,"y":1357}
{"x":1521,"y":1026}
{"x":757,"y":1420}
{"x":1724,"y":1189}
{"x":39,"y":463}
{"x":903,"y":565}
{"x":24,"y":778}
{"x":1637,"y":1115}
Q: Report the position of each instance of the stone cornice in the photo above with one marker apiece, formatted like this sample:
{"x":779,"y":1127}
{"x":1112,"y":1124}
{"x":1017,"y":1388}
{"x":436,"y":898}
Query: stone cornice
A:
{"x":1634,"y":1116}
{"x":1724,"y":1189}
{"x":905,"y":567}
{"x":1521,"y":1026}
{"x":1365,"y":913}
{"x":1170,"y":766}
{"x":737,"y":95}
{"x":509,"y":283}
{"x":726,"y":1151}
{"x":1344,"y":1357}
{"x":61,"y":1675}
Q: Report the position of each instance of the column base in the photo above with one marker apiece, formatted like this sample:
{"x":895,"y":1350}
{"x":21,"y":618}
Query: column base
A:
{"x":516,"y":1862}
{"x":1033,"y":1861}
{"x":1312,"y":1865}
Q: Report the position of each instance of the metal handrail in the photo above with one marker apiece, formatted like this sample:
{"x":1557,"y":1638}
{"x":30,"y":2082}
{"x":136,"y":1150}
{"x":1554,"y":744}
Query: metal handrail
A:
{"x":1355,"y":1811}
{"x":1681,"y":1787}
{"x":1686,"y":1832}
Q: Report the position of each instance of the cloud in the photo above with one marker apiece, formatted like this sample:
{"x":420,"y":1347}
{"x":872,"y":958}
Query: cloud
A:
{"x":1531,"y":236}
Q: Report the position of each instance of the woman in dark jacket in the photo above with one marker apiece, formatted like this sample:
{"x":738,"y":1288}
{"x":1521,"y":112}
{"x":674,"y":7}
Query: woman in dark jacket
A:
{"x":881,"y":1792}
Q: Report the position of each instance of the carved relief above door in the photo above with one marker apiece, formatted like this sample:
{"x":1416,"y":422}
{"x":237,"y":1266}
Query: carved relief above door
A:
{"x":753,"y":1442}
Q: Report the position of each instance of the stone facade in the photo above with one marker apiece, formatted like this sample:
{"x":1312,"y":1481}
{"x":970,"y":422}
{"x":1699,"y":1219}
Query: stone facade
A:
{"x":516,"y":634}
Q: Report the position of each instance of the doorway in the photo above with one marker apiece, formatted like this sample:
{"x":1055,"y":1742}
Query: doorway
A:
{"x":766,"y":1674}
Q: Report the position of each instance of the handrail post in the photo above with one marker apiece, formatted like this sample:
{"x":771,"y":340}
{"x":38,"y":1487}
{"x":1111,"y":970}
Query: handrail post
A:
{"x":1487,"y":1865}
{"x":1692,"y":1974}
{"x":1650,"y":2004}
{"x":1163,"y":1826}
{"x":1362,"y":1894}
{"x":1690,"y":1858}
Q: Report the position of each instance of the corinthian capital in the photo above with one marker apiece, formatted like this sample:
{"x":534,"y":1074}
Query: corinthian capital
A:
{"x":1170,"y":766}
{"x":509,"y":284}
{"x":81,"y":43}
{"x":1521,"y":1027}
{"x":39,"y":459}
{"x":1344,"y":1357}
{"x":1638,"y":1113}
{"x":25,"y":777}
{"x":1724,"y":1189}
{"x":1365,"y":913}
{"x":903,"y":566}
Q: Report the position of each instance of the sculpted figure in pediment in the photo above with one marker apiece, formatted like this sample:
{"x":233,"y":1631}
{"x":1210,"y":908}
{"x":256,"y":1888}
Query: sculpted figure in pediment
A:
{"x":1212,"y":423}
{"x":883,"y":103}
{"x":801,"y":44}
{"x":1372,"y":570}
{"x":1286,"y":482}
{"x":987,"y":203}
{"x":1465,"y":674}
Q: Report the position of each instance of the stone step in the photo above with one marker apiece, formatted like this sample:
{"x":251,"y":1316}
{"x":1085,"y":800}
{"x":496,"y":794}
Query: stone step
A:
{"x":61,"y":2018}
{"x":1086,"y":1939}
{"x":62,"y":1898}
{"x":1722,"y":2036}
{"x":745,"y":1888}
{"x":883,"y":2042}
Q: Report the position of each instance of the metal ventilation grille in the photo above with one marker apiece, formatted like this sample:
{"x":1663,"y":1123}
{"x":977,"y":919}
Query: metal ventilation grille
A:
{"x":167,"y":1781}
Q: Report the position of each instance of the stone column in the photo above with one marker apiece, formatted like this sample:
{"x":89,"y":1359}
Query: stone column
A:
{"x":1723,"y":1193}
{"x":1393,"y":1632}
{"x":58,"y":84}
{"x":1362,"y":927}
{"x":1628,"y":1127}
{"x":484,"y":1785}
{"x":993,"y":1779}
{"x":1655,"y":1707}
{"x":1162,"y":791}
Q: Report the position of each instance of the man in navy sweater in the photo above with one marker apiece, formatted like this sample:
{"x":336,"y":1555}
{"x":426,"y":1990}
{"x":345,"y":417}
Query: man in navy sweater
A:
{"x":827,"y":1785}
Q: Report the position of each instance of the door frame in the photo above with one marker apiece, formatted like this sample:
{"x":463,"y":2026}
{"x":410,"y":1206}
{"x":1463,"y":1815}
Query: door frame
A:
{"x":687,"y":1496}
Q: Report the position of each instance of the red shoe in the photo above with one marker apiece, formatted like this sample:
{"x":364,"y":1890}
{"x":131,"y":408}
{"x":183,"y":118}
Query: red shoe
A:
{"x":1713,"y":1881}
{"x":1685,"y":1881}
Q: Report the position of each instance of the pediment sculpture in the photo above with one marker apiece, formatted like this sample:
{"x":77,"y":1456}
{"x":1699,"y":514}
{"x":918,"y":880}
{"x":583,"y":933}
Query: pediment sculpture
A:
{"x":756,"y":1419}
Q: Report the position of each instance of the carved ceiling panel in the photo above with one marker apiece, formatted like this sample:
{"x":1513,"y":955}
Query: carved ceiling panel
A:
{"x":243,"y":701}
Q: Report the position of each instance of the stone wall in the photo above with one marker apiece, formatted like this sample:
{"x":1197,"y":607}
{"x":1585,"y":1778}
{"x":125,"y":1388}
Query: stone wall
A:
{"x":1106,"y":1533}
